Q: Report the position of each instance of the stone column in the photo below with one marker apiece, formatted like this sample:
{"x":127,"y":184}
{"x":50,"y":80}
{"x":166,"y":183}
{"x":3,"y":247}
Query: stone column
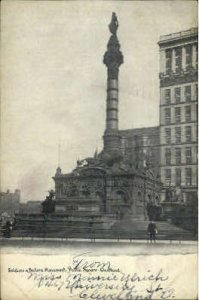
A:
{"x":112,"y":105}
{"x":194,"y":55}
{"x":113,"y":58}
{"x":173,"y":62}
{"x":183,"y":58}
{"x":162,"y":61}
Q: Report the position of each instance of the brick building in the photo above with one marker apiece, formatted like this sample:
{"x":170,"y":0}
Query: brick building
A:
{"x":178,"y":115}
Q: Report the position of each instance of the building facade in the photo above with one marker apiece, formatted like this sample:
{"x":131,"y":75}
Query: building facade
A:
{"x":141,"y":147}
{"x":10,"y":202}
{"x":30,"y":207}
{"x":178,"y":115}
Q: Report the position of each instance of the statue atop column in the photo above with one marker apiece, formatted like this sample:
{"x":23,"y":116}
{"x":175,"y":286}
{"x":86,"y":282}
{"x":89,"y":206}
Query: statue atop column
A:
{"x":113,"y":26}
{"x":113,"y":57}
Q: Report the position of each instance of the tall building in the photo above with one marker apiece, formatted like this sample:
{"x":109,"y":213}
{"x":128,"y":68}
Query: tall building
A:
{"x":178,"y":115}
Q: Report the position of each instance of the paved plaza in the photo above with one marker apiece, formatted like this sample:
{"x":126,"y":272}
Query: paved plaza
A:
{"x":97,"y":247}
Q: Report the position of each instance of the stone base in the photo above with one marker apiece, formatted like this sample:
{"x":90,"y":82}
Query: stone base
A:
{"x":112,"y":142}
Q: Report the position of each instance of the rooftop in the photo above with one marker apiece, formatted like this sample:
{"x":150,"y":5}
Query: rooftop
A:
{"x":140,"y":131}
{"x":178,"y":35}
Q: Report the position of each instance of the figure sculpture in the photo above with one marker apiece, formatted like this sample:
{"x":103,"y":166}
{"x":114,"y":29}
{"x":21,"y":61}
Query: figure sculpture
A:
{"x":113,"y":26}
{"x":169,"y":194}
{"x":48,"y":205}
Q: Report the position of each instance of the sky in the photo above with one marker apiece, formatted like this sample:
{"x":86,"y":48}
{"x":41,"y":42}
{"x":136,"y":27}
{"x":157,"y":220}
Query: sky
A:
{"x":54,"y":81}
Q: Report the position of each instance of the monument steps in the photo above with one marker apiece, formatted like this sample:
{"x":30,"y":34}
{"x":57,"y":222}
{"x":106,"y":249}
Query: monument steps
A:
{"x":127,"y":228}
{"x":165,"y":229}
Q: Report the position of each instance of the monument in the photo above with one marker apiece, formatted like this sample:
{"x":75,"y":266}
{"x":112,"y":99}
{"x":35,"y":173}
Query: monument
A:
{"x":104,"y":190}
{"x":112,"y":194}
{"x":108,"y":183}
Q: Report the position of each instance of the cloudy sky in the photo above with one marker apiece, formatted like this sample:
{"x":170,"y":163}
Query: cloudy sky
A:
{"x":54,"y":81}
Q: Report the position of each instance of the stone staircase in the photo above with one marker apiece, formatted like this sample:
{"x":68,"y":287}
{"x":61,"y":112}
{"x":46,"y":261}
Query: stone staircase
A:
{"x":137,"y":229}
{"x":98,"y":226}
{"x":62,"y":226}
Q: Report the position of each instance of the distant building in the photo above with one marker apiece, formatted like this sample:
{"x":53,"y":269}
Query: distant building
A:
{"x":30,"y":207}
{"x":141,"y":147}
{"x":10,"y":202}
{"x":178,"y":115}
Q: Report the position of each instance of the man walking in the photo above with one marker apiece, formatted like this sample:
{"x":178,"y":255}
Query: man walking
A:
{"x":152,"y":231}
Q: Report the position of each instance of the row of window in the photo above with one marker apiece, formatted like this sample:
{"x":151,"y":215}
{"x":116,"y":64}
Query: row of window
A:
{"x":178,"y":58}
{"x":178,"y":155}
{"x":178,"y":94}
{"x":178,"y":175}
{"x":178,"y":135}
{"x":178,"y":114}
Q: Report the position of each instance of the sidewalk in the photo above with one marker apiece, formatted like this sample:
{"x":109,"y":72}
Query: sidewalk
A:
{"x":127,"y":241}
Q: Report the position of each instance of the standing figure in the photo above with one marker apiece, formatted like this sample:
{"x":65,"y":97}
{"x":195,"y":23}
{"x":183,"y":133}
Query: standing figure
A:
{"x":152,"y":231}
{"x":48,"y":205}
{"x":7,"y":228}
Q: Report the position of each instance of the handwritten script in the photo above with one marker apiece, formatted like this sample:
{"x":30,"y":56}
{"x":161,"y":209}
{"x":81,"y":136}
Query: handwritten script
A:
{"x":87,"y":278}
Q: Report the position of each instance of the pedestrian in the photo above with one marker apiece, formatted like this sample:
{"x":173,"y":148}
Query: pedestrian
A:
{"x":152,"y":231}
{"x":7,"y":228}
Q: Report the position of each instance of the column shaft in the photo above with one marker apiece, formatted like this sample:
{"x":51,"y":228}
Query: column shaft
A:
{"x":112,"y":105}
{"x":183,"y":58}
{"x":194,"y":56}
{"x":162,"y":61}
{"x":173,"y":62}
{"x":113,"y":58}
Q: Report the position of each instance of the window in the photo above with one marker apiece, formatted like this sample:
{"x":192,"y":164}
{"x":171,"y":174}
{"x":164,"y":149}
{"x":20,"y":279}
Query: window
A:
{"x":188,"y":133}
{"x":178,"y":176}
{"x":178,"y":134}
{"x":178,"y":156}
{"x":188,"y":113}
{"x":167,"y":96}
{"x":177,"y":94}
{"x":168,"y":135}
{"x":178,"y":59}
{"x":168,"y":156}
{"x":188,"y":176}
{"x":168,"y":176}
{"x":188,"y":50}
{"x":168,"y":53}
{"x":177,"y":114}
{"x":188,"y":155}
{"x":187,"y":93}
{"x":167,"y":115}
